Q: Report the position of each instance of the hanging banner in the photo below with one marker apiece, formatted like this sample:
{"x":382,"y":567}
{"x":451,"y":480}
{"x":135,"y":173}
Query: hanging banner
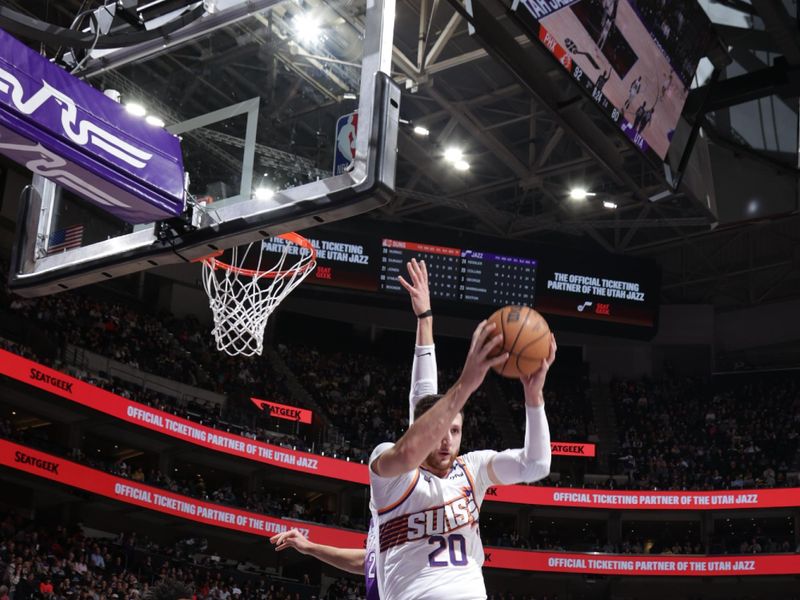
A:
{"x":90,"y":396}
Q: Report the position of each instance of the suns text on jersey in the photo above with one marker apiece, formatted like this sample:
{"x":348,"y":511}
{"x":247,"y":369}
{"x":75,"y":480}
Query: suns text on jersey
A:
{"x":442,"y":519}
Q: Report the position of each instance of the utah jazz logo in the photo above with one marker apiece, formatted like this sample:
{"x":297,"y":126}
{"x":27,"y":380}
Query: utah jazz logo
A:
{"x":83,"y":132}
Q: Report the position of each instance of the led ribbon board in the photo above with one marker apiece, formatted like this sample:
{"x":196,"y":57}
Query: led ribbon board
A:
{"x":67,"y":131}
{"x":47,"y":466}
{"x":54,"y":382}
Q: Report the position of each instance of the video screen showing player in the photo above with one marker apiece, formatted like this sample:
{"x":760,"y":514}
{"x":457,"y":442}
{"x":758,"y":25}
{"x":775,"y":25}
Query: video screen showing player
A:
{"x":635,"y":53}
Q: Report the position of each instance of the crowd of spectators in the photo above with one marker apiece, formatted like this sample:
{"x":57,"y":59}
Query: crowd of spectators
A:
{"x":41,"y":561}
{"x":265,"y":500}
{"x":688,"y":433}
{"x":569,"y":407}
{"x":233,"y":419}
{"x":674,"y":434}
{"x":366,"y":396}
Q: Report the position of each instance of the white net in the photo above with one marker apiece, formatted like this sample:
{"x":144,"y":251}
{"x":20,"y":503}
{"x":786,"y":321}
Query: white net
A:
{"x":242,"y":299}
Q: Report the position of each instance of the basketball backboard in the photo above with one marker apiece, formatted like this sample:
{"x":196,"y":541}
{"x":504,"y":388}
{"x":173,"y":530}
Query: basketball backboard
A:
{"x":254,"y":102}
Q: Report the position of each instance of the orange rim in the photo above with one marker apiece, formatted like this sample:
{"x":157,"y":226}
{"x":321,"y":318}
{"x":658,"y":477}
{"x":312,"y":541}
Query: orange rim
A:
{"x":292,"y":237}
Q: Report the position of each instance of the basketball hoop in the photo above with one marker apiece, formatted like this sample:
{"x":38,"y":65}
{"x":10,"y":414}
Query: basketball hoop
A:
{"x":242,"y":299}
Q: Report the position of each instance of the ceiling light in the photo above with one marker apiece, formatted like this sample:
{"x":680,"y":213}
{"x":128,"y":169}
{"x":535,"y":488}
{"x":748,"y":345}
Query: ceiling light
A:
{"x":154,"y":121}
{"x":579,"y":193}
{"x":421,"y":131}
{"x":307,"y":28}
{"x":461,"y":165}
{"x":136,"y":109}
{"x":348,"y":96}
{"x":453,"y":155}
{"x":609,"y":204}
{"x":264,"y":193}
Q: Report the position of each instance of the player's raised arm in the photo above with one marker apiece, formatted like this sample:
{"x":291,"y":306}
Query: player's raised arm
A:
{"x":424,"y":376}
{"x":411,"y":450}
{"x":346,"y":559}
{"x":532,"y":462}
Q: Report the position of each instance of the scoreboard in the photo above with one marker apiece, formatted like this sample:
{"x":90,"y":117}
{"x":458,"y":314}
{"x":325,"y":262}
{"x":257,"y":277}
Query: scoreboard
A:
{"x":600,"y":293}
{"x":467,"y":275}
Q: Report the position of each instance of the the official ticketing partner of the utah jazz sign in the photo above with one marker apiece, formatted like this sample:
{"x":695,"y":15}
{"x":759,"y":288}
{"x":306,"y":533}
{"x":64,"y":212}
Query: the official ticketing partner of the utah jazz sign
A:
{"x":67,"y":131}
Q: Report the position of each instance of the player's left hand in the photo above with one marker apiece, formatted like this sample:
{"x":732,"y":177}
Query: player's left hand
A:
{"x":291,"y":539}
{"x":418,"y":288}
{"x":534,"y":383}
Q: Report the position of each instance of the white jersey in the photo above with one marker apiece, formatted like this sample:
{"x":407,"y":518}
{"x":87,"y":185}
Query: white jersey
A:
{"x":430,"y":544}
{"x":370,"y":566}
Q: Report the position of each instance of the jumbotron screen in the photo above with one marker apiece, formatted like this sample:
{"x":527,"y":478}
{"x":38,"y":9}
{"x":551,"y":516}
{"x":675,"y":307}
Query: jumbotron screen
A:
{"x":598,"y":290}
{"x":635,"y":58}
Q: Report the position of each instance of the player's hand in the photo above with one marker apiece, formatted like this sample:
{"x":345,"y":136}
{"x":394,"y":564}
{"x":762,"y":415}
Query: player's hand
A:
{"x":479,"y":359}
{"x":534,"y":383}
{"x":418,"y":288}
{"x":291,"y":539}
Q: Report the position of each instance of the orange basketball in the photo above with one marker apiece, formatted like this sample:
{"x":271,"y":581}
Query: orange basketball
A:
{"x":526,"y":337}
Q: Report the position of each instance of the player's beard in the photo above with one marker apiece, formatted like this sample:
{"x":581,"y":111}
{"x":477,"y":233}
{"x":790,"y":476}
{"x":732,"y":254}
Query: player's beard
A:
{"x":438,"y":464}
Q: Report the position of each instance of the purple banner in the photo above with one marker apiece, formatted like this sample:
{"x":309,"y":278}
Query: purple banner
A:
{"x":67,"y":131}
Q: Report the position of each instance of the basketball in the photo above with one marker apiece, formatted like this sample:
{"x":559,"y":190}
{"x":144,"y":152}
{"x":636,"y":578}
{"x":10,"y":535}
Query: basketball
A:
{"x":526,"y":338}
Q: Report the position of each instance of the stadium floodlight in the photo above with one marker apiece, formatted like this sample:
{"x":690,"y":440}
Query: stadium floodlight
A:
{"x":453,"y":155}
{"x":349,"y":96}
{"x":307,"y":28}
{"x":461,"y":165}
{"x":154,"y":121}
{"x":609,"y":204}
{"x":421,"y":131}
{"x":579,"y":193}
{"x":264,"y":193}
{"x":136,"y":109}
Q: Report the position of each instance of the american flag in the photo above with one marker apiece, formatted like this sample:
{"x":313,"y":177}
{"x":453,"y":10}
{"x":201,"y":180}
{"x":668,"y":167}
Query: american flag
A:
{"x":64,"y":239}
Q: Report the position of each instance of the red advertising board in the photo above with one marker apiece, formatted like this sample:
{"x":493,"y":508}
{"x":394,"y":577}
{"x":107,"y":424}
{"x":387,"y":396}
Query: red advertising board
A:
{"x":42,"y":464}
{"x":284,"y":411}
{"x":96,"y":398}
{"x":580,"y":449}
{"x":643,"y":565}
{"x":85,"y":394}
{"x":645,"y":500}
{"x":91,"y":480}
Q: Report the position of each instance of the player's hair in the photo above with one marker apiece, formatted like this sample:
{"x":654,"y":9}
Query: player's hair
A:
{"x":426,"y":403}
{"x":169,"y":589}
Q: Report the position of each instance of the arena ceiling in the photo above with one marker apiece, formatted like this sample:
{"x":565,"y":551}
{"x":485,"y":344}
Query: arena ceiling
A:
{"x":523,"y":155}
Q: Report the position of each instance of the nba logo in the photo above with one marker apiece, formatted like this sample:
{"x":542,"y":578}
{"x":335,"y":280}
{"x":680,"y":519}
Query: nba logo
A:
{"x":345,"y":151}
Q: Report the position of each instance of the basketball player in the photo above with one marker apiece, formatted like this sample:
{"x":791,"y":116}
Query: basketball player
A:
{"x":647,"y":116}
{"x":666,"y":86}
{"x":602,"y":79}
{"x":633,"y":91}
{"x":424,"y":382}
{"x":637,"y":120}
{"x":426,"y":498}
{"x":609,"y":15}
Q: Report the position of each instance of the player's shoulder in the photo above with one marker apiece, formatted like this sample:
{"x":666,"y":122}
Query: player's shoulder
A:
{"x":378,"y":450}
